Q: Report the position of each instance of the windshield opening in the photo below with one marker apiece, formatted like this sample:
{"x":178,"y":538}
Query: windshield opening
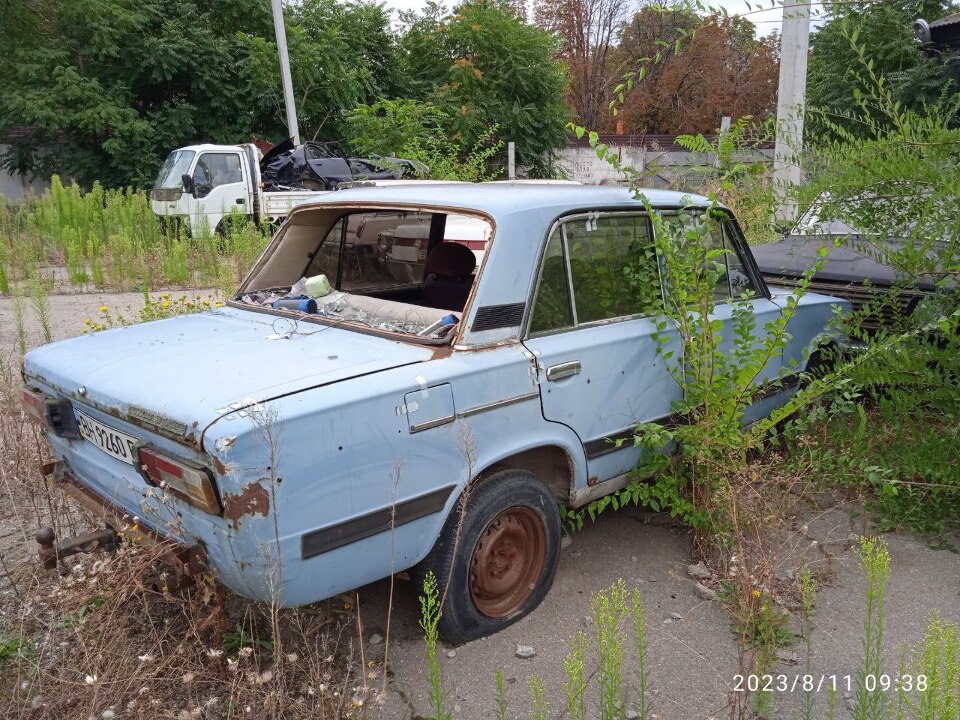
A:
{"x":408,"y":271}
{"x":169,"y":184}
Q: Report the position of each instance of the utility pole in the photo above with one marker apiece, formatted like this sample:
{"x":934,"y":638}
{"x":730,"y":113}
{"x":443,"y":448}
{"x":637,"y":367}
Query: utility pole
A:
{"x":787,"y":154}
{"x":724,"y":129}
{"x":288,"y":102}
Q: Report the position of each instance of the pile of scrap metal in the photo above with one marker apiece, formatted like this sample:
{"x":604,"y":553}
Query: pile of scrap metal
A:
{"x":319,"y":166}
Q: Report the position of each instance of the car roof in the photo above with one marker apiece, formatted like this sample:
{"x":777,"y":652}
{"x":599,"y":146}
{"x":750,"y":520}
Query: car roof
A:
{"x":506,"y":198}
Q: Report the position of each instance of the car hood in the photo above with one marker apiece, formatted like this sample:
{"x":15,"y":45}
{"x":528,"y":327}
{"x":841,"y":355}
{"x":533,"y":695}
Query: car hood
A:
{"x":794,"y":255}
{"x":192,"y":369}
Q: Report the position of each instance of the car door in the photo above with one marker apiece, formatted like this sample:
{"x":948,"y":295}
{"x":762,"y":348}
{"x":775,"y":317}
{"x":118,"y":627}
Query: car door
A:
{"x":738,"y":282}
{"x":592,"y":330}
{"x":219,"y":188}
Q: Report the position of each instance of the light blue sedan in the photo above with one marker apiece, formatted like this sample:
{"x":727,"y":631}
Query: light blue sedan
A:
{"x":428,"y":402}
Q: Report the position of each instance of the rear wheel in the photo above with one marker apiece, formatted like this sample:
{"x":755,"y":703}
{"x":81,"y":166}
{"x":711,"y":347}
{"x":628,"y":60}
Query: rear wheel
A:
{"x":502,"y":563}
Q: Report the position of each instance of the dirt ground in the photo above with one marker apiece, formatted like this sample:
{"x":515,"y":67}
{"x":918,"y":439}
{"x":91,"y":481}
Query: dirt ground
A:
{"x":692,"y":655}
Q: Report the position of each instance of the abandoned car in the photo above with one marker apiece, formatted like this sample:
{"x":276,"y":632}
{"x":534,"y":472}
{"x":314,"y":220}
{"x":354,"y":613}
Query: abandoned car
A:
{"x":860,"y":234}
{"x":318,"y":432}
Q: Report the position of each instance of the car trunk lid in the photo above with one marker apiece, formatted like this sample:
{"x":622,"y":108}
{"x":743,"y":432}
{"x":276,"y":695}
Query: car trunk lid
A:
{"x":189,"y":370}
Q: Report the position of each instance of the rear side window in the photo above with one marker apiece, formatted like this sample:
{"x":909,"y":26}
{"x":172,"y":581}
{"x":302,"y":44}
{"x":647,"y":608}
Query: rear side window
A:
{"x":596,"y":268}
{"x":552,"y":309}
{"x":733,"y":281}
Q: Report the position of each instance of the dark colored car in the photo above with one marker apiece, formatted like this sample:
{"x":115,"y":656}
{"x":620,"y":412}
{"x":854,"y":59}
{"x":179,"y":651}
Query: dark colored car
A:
{"x":853,"y":271}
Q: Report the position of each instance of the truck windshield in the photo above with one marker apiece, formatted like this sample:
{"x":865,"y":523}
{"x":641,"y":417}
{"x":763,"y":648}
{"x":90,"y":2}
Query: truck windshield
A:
{"x":168,"y":179}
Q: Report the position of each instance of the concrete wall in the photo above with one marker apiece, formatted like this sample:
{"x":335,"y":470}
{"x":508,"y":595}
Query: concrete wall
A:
{"x":14,"y":186}
{"x":580,"y":163}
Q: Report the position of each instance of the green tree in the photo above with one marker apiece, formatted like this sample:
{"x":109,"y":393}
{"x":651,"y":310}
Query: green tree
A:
{"x":113,"y":85}
{"x":342,"y":54}
{"x":837,"y":78}
{"x":106,"y":88}
{"x":415,"y":130}
{"x":387,"y":126}
{"x":485,"y":67}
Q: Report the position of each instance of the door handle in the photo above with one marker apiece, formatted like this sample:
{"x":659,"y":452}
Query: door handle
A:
{"x":567,"y":369}
{"x":240,"y":201}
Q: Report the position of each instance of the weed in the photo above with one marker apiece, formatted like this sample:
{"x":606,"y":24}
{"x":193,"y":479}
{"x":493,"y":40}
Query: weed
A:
{"x":808,"y":595}
{"x":933,"y":669}
{"x":575,"y":685}
{"x":875,"y":560}
{"x":541,"y":709}
{"x":609,"y":611}
{"x":500,"y":703}
{"x":20,"y":321}
{"x":642,"y":704}
{"x":82,"y":613}
{"x":429,"y":618}
{"x":41,"y":308}
{"x":113,"y":238}
{"x":12,"y":647}
{"x":239,"y":638}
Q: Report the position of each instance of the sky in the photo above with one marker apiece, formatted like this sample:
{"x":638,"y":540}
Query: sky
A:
{"x":765,"y":20}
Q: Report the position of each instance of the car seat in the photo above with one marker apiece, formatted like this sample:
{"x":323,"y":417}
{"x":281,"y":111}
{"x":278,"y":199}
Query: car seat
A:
{"x":448,"y":276}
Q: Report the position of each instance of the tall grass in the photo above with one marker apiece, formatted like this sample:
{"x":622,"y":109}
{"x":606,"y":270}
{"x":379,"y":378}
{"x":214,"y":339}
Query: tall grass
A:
{"x":869,"y":704}
{"x":113,"y":238}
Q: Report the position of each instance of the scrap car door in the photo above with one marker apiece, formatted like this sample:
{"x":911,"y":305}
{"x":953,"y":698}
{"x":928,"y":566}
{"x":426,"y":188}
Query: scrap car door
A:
{"x":592,"y":329}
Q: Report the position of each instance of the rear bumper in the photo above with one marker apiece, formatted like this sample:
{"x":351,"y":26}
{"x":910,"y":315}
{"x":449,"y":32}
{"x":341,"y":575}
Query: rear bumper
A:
{"x":185,"y":560}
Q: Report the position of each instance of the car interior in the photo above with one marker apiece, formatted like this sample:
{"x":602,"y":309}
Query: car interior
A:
{"x":413,"y":263}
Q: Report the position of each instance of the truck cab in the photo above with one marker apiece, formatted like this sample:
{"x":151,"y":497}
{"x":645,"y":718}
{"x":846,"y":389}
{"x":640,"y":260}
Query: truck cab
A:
{"x":202,"y":184}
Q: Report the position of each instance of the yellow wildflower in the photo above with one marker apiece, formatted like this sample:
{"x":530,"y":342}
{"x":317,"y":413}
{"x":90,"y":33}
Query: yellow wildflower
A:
{"x":166,"y":303}
{"x":103,"y":308}
{"x":757,"y":593}
{"x":88,"y":321}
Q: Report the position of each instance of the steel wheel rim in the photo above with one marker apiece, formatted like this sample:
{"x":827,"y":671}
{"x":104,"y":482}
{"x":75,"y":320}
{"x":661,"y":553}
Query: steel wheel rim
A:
{"x":507,"y":562}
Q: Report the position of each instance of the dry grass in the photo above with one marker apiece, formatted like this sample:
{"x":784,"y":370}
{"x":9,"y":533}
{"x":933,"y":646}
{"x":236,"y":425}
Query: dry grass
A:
{"x":100,"y":642}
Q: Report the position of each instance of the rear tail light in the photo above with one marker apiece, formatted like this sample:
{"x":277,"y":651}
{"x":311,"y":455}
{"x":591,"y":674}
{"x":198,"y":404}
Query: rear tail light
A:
{"x":61,"y":418}
{"x":34,"y":406}
{"x":56,"y":415}
{"x":184,"y":479}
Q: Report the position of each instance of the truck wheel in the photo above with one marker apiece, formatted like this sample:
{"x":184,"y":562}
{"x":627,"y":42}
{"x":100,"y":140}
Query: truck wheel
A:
{"x":503,"y":562}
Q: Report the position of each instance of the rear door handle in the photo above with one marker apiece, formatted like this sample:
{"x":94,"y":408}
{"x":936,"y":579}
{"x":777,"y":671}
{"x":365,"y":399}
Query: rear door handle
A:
{"x":567,"y":369}
{"x":241,"y":201}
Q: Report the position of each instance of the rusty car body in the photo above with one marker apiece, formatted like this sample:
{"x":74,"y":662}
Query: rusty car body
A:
{"x":337,"y":443}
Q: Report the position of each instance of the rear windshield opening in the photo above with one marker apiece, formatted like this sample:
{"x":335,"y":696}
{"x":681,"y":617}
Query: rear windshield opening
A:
{"x":394,"y":270}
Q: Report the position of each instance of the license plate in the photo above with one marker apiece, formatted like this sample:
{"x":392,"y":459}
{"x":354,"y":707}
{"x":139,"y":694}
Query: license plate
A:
{"x":112,"y":442}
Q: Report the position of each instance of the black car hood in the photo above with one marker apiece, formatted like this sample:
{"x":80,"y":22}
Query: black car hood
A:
{"x":795,"y":254}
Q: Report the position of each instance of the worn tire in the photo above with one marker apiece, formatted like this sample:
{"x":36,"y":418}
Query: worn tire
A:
{"x":511,"y":530}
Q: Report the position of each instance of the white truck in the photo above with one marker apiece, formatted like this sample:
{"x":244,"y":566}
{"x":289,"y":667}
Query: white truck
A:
{"x":201,"y":185}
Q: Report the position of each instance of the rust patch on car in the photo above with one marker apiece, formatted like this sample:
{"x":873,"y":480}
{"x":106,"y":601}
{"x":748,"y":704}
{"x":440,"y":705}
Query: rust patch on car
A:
{"x":254,"y":500}
{"x":444,"y":351}
{"x":593,"y":481}
{"x":221,"y":467}
{"x":191,"y":435}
